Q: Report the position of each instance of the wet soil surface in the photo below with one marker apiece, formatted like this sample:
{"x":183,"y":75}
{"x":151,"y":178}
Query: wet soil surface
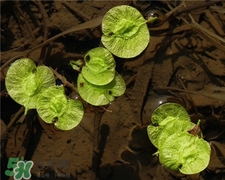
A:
{"x":184,"y":62}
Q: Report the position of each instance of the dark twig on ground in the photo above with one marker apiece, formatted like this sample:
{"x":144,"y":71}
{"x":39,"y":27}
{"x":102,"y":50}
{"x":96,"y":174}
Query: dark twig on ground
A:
{"x":46,"y":22}
{"x":64,"y":80}
{"x":87,"y":25}
{"x":82,"y":15}
{"x":23,"y":23}
{"x":194,"y":7}
{"x":76,"y":10}
{"x":99,"y":111}
{"x":15,"y":117}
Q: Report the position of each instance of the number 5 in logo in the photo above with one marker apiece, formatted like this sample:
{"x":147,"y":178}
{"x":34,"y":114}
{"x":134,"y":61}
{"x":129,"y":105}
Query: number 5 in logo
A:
{"x":20,"y":169}
{"x":11,"y":165}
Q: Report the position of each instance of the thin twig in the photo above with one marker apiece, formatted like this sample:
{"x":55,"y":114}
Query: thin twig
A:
{"x":206,"y":31}
{"x":212,"y":95}
{"x":46,"y":19}
{"x":23,"y":23}
{"x":87,"y":25}
{"x":77,"y":11}
{"x":46,"y":22}
{"x":208,"y":35}
{"x":27,"y":136}
{"x":214,"y":23}
{"x":15,"y":117}
{"x":194,"y":7}
{"x":96,"y":151}
{"x":188,"y":95}
{"x":80,"y":14}
{"x":64,"y":80}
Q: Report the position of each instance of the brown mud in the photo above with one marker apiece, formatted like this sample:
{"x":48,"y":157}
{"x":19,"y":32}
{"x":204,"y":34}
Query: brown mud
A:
{"x":184,"y":62}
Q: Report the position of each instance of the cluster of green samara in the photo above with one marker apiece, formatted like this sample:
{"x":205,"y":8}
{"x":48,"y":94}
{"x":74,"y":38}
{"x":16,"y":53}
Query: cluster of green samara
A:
{"x":179,"y":141}
{"x":98,"y":82}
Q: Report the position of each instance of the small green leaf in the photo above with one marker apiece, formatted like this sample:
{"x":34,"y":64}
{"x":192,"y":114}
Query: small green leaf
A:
{"x":167,"y":119}
{"x":154,"y":133}
{"x":158,"y":134}
{"x":53,"y":107}
{"x":24,"y":81}
{"x":177,"y":140}
{"x":169,"y":111}
{"x":99,"y":68}
{"x":72,"y":116}
{"x":125,"y":32}
{"x":185,"y":152}
{"x":101,"y":95}
{"x":76,"y":65}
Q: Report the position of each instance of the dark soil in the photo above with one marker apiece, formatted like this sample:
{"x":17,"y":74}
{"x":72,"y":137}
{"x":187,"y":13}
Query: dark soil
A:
{"x":183,"y":63}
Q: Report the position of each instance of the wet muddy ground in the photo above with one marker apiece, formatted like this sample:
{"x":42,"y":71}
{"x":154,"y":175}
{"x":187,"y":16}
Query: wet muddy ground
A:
{"x":184,"y":62}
